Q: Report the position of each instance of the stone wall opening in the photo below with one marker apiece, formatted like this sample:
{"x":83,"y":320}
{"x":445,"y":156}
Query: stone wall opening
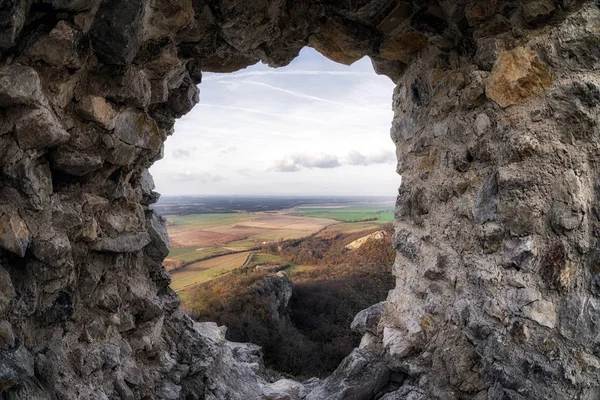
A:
{"x":496,"y":126}
{"x":260,"y":141}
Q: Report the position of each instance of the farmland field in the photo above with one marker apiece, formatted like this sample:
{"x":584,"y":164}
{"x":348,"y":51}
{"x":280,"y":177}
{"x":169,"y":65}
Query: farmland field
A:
{"x":195,"y":237}
{"x":381,"y":212}
{"x":204,"y":271}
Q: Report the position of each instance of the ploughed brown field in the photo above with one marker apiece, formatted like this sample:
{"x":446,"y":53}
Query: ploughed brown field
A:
{"x":256,"y":228}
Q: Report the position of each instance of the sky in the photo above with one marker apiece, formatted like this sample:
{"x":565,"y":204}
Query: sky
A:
{"x":314,"y":127}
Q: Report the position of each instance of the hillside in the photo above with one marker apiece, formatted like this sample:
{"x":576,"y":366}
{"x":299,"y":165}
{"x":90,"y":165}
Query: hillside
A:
{"x":310,"y":332}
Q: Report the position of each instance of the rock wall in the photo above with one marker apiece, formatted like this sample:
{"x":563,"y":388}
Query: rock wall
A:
{"x":496,"y":126}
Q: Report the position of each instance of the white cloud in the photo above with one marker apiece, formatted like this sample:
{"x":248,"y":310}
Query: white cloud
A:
{"x":181,"y":152}
{"x":380,"y":157}
{"x":199,"y":177}
{"x":296,"y":162}
{"x":278,"y":120}
{"x":228,"y":150}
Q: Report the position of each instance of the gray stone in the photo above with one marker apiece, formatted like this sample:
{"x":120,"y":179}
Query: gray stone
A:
{"x":39,"y":129}
{"x":407,"y":244}
{"x":138,"y":129}
{"x":61,"y":309}
{"x":486,"y":202}
{"x":184,"y":98}
{"x":20,"y":85}
{"x":97,"y":109}
{"x":7,"y":290}
{"x":35,"y":180}
{"x":123,"y":243}
{"x":119,"y":152}
{"x":538,"y":10}
{"x":157,"y":228}
{"x":52,"y":249}
{"x":149,"y":196}
{"x":123,"y":390}
{"x":73,"y":5}
{"x":7,"y":336}
{"x":367,"y":320}
{"x":16,"y":365}
{"x":14,"y":235}
{"x":360,"y":376}
{"x":12,"y":19}
{"x":519,"y":253}
{"x":169,"y":391}
{"x":541,"y":311}
{"x":406,"y":392}
{"x":76,"y":162}
{"x":59,"y":48}
{"x":117,"y":31}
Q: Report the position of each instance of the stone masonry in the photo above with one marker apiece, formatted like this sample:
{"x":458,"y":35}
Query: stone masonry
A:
{"x":497,"y":132}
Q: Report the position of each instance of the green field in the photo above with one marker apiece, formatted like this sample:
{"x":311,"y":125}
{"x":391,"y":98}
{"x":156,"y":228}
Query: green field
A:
{"x":380,"y":212}
{"x":261,"y":258}
{"x":186,"y":254}
{"x":206,"y":221}
{"x":206,"y":270}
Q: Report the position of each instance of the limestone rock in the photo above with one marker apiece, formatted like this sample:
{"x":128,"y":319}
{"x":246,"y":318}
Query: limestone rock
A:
{"x":35,"y":181}
{"x":537,"y":11}
{"x":398,"y":343}
{"x":14,"y":235}
{"x":517,"y":75}
{"x":19,"y":85}
{"x":97,"y":109}
{"x":149,"y":196}
{"x":360,"y":376}
{"x":284,"y":389}
{"x":76,"y":162}
{"x":486,"y":203}
{"x":367,"y":320}
{"x":53,"y":249}
{"x":7,"y":336}
{"x":541,"y":311}
{"x":403,"y":47}
{"x":406,"y":392}
{"x":123,"y":243}
{"x":59,"y":48}
{"x":72,"y":5}
{"x":7,"y":291}
{"x":12,"y":19}
{"x":39,"y":129}
{"x":341,"y":41}
{"x":138,"y":129}
{"x":157,"y":227}
{"x":183,"y":98}
{"x":16,"y":365}
{"x":117,"y":30}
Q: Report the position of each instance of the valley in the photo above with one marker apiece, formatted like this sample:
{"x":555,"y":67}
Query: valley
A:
{"x":287,"y":279}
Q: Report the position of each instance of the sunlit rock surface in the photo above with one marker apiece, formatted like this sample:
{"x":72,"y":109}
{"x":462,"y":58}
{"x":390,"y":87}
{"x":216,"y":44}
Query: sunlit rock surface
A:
{"x":497,"y":221}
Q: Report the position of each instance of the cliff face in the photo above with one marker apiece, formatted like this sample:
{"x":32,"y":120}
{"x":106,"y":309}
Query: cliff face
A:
{"x":496,"y":127}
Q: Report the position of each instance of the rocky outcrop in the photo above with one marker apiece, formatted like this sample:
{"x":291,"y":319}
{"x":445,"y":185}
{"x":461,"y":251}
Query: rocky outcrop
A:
{"x":496,"y":127}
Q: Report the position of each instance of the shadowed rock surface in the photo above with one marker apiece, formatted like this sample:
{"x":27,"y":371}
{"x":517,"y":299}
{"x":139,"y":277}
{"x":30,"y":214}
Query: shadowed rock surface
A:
{"x":497,"y":221}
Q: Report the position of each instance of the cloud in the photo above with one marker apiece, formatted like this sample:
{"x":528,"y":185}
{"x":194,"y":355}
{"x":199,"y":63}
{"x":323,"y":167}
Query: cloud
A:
{"x":243,"y":172}
{"x":200,"y":177}
{"x":228,"y":150}
{"x":380,"y":157}
{"x":182,"y":153}
{"x":295,"y":162}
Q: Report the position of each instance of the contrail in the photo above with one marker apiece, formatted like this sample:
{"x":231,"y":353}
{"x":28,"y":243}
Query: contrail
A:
{"x":316,"y":98}
{"x":296,"y":94}
{"x":217,"y":77}
{"x":249,"y":110}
